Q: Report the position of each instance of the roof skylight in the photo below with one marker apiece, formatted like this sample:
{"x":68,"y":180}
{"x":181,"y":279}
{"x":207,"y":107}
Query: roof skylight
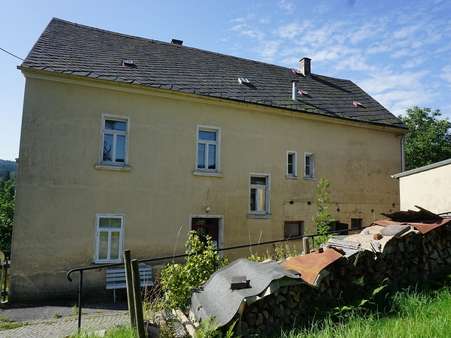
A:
{"x":128,"y":63}
{"x":244,"y":80}
{"x":357,"y":104}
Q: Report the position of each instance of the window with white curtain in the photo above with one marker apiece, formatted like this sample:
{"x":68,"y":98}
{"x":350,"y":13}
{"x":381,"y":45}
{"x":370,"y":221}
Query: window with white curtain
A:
{"x":109,"y":238}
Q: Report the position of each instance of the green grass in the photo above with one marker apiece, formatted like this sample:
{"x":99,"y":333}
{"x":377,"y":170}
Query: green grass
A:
{"x":6,"y":324}
{"x":413,"y":315}
{"x":118,"y":332}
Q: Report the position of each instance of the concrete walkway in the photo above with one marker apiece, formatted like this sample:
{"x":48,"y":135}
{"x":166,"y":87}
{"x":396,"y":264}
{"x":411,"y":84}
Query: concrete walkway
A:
{"x":66,"y":326}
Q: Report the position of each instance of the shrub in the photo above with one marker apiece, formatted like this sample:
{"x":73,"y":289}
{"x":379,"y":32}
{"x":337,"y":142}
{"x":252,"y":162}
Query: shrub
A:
{"x":179,"y":280}
{"x":323,"y":218}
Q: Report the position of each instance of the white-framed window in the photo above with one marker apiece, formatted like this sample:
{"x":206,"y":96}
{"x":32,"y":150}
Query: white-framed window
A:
{"x":259,"y":194}
{"x":208,"y":148}
{"x":309,"y":165}
{"x":292,"y":163}
{"x":114,"y":140}
{"x":109,"y":238}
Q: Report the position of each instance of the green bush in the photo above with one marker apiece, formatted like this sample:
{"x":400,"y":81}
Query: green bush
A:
{"x":322,"y":218}
{"x":179,"y":280}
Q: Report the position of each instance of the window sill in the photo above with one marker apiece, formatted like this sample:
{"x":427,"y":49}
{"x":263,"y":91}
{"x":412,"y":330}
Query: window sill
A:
{"x":207,"y":173}
{"x":307,"y":178}
{"x":113,"y":261}
{"x":291,"y":177}
{"x":112,"y":167}
{"x":259,"y":216}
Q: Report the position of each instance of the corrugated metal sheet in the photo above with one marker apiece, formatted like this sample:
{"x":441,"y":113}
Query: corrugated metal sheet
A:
{"x":423,"y":228}
{"x":217,"y":300}
{"x":423,"y":220}
{"x":311,"y":265}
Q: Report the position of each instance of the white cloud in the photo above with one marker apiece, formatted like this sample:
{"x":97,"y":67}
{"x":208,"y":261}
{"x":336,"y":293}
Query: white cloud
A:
{"x":446,"y":74}
{"x":268,"y":50}
{"x":398,"y":90}
{"x":286,"y":5}
{"x":292,"y":30}
{"x":387,"y":53}
{"x":244,"y":28}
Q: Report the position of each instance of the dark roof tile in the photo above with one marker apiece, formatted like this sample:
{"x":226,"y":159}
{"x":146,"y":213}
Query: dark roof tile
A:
{"x":79,"y":50}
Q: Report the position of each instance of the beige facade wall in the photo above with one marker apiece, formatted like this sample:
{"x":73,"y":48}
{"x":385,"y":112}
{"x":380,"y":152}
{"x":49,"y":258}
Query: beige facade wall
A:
{"x":428,"y":189}
{"x":59,"y":190}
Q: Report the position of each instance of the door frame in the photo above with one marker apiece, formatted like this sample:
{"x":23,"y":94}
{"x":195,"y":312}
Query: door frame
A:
{"x":220,"y":225}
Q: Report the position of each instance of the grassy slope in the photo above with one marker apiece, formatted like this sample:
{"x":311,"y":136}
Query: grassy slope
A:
{"x":417,"y":316}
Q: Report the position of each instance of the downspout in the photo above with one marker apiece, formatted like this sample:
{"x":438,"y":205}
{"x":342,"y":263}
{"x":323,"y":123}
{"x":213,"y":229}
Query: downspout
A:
{"x":403,"y":161}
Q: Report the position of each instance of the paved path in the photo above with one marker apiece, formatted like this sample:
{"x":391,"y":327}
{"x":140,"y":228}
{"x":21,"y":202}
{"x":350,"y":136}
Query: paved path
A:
{"x":66,"y":326}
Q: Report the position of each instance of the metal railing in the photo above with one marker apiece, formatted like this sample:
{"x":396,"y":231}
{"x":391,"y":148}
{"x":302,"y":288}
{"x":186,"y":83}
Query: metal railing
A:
{"x":172,"y":257}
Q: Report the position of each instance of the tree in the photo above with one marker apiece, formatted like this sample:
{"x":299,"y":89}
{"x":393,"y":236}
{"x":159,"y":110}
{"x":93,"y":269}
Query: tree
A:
{"x":428,"y":139}
{"x":7,"y":203}
{"x":323,"y":218}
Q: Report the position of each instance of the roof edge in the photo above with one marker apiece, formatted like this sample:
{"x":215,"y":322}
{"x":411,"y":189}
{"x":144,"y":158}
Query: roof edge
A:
{"x":423,"y":168}
{"x":30,"y":70}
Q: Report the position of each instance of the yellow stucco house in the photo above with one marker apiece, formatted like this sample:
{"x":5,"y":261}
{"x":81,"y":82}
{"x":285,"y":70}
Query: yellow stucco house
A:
{"x":129,"y":142}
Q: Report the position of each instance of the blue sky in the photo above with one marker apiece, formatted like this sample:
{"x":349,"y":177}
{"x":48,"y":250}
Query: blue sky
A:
{"x":398,"y":51}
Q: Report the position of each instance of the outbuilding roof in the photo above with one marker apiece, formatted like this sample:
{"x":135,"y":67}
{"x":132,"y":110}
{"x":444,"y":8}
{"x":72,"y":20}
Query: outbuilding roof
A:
{"x":424,"y":168}
{"x":78,"y":50}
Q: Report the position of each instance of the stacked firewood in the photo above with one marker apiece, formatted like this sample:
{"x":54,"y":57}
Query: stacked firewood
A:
{"x":436,"y":245}
{"x":403,"y":261}
{"x":287,"y":307}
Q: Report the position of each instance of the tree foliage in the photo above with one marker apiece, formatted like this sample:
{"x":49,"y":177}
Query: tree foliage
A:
{"x":428,"y":139}
{"x":322,"y":218}
{"x":7,"y":203}
{"x":179,"y":280}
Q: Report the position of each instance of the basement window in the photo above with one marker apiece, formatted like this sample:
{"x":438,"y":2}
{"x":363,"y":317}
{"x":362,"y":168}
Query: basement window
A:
{"x":293,"y":229}
{"x":356,"y":223}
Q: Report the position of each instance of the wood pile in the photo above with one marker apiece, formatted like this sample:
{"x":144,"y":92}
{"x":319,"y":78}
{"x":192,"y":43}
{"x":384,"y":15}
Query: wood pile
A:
{"x":403,"y":261}
{"x":285,"y":308}
{"x":436,"y":259}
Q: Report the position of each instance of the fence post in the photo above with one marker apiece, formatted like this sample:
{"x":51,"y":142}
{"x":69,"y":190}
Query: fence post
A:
{"x":129,"y":281}
{"x":4,"y":280}
{"x":139,"y":319}
{"x":80,"y":299}
{"x":305,"y":245}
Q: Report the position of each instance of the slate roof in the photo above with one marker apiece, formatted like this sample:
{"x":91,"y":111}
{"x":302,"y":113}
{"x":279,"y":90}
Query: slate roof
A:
{"x":70,"y":48}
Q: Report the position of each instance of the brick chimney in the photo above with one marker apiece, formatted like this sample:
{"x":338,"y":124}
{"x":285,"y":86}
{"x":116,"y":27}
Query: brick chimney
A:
{"x":304,"y":66}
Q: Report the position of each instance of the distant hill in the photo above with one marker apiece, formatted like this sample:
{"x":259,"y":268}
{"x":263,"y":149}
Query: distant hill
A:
{"x":6,"y":169}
